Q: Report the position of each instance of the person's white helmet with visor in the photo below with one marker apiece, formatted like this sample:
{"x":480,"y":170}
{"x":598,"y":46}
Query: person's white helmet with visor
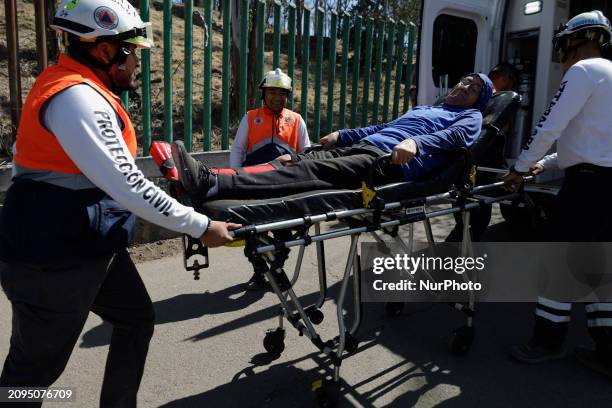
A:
{"x":589,"y":26}
{"x":97,"y":20}
{"x":276,"y":79}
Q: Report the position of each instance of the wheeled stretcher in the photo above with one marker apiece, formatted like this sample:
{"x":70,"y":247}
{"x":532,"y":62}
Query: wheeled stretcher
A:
{"x":272,"y":226}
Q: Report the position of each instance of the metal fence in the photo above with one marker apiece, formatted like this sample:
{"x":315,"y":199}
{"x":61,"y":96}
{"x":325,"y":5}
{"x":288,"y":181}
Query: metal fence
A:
{"x":387,"y":43}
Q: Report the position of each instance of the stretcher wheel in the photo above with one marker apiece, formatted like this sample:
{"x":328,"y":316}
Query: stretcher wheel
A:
{"x":461,"y":340}
{"x":274,"y":341}
{"x":314,"y":314}
{"x":516,"y":215}
{"x":394,"y":308}
{"x":351,"y":344}
{"x":327,"y":393}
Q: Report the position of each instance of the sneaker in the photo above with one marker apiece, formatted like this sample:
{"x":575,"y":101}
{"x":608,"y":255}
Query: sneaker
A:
{"x":533,"y":354}
{"x":194,"y":176}
{"x":594,"y":360}
{"x":257,"y":282}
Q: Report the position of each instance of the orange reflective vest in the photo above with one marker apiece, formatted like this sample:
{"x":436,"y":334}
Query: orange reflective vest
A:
{"x":265,"y":128}
{"x":37,"y":148}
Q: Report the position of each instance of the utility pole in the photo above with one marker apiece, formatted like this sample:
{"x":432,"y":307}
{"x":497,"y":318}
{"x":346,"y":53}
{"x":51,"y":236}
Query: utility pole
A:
{"x":12,"y":42}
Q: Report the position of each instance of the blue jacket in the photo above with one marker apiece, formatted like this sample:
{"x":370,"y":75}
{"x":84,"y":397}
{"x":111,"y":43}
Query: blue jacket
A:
{"x":435,"y":129}
{"x":42,"y":223}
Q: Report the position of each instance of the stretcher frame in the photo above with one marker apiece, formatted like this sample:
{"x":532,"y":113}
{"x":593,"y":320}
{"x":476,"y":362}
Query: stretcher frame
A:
{"x":376,"y":221}
{"x":375,"y":217}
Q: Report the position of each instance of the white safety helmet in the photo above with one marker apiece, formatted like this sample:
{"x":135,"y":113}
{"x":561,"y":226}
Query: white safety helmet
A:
{"x":590,"y":26}
{"x":94,"y":20}
{"x":276,"y":79}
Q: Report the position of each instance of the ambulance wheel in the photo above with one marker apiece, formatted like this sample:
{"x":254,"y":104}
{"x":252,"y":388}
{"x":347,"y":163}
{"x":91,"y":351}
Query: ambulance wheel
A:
{"x":314,"y":314}
{"x":327,"y":393}
{"x":274,"y":341}
{"x":394,"y":309}
{"x":461,"y":340}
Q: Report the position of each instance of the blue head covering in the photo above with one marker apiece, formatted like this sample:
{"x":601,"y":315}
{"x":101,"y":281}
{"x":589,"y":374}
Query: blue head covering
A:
{"x":485,"y":94}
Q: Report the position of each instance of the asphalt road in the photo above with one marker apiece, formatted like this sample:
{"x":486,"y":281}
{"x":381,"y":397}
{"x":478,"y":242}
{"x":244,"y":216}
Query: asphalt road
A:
{"x":207,"y":349}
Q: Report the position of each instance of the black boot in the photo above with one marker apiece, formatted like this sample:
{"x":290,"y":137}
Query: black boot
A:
{"x":195,"y":177}
{"x":531,"y":353}
{"x":598,"y":359}
{"x":594,"y":360}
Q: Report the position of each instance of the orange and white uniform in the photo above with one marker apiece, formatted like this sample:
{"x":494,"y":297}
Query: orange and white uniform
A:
{"x":74,"y":134}
{"x":261,"y":128}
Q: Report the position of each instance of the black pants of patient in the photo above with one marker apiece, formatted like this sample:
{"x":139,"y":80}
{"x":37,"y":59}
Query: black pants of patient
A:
{"x":343,"y":168}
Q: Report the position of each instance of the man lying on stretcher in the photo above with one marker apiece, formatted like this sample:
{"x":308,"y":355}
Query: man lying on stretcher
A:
{"x":419,"y":142}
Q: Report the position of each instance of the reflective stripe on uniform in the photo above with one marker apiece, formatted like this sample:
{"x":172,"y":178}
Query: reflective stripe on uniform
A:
{"x":605,"y":322}
{"x":598,"y":307}
{"x":552,"y":317}
{"x":553,"y":304}
{"x":599,"y":314}
{"x":551,"y":310}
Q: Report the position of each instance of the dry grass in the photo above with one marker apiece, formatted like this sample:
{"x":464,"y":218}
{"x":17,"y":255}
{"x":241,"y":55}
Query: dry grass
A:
{"x":29,"y":70}
{"x":27,"y":63}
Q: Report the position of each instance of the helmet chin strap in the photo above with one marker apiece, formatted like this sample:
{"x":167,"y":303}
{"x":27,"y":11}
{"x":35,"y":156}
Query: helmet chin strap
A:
{"x":119,"y":58}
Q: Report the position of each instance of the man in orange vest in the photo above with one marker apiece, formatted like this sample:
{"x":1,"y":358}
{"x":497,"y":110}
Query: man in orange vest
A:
{"x":69,"y":214}
{"x":272,"y":130}
{"x":264,"y":134}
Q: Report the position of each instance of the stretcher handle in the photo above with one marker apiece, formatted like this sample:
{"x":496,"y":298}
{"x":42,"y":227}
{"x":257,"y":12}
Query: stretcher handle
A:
{"x":241,"y":232}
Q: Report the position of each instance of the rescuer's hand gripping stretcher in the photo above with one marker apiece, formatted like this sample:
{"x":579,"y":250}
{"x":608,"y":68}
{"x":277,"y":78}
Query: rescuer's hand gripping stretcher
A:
{"x":272,"y":226}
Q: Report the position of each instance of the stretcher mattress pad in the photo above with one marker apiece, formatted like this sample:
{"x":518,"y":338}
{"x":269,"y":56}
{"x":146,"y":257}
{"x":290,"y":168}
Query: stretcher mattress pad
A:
{"x":261,"y":211}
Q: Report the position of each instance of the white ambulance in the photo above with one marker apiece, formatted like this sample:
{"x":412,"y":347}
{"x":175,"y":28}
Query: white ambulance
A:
{"x":462,"y":36}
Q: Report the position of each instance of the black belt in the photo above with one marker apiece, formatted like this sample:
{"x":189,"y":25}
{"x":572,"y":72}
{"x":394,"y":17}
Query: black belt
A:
{"x":587,"y":168}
